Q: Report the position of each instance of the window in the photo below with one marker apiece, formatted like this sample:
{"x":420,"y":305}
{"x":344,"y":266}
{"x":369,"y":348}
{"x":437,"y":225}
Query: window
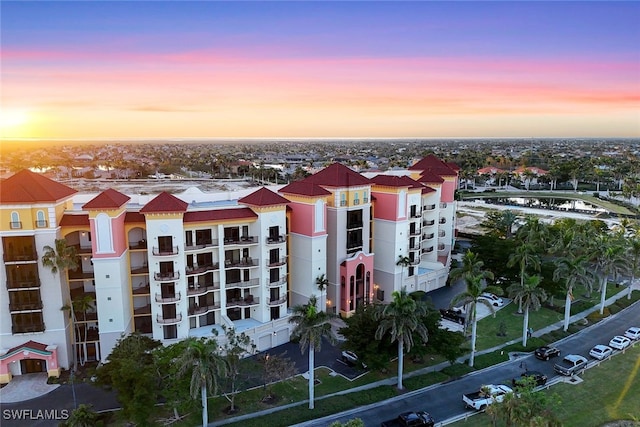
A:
{"x":356,"y":199}
{"x":103,"y":227}
{"x":365,"y":197}
{"x":15,"y":220}
{"x":343,"y":199}
{"x":170,"y":332}
{"x":41,"y":222}
{"x":319,"y":216}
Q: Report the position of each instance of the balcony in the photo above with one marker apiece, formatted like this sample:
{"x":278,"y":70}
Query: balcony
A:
{"x":278,"y":301}
{"x":443,"y":220}
{"x":142,"y":311}
{"x":23,"y":284}
{"x":141,"y":269}
{"x":281,"y":281}
{"x":25,"y":254}
{"x":415,"y":232}
{"x":244,"y":240}
{"x":139,"y":245}
{"x":83,"y":250}
{"x":197,"y":310}
{"x":202,"y":244}
{"x":80,"y":275}
{"x":244,"y":283}
{"x":354,"y":224}
{"x":240,"y":302}
{"x":15,"y":225}
{"x":274,"y":240}
{"x":343,"y":203}
{"x":428,"y":223}
{"x":443,"y":205}
{"x":441,"y":233}
{"x":356,"y":201}
{"x":365,"y":200}
{"x":276,"y":262}
{"x":429,"y":207}
{"x":166,"y":299}
{"x":441,"y":247}
{"x":427,"y":250}
{"x":25,"y":306}
{"x":177,"y":318}
{"x":416,"y":215}
{"x":167,"y":276}
{"x":246,"y":262}
{"x":198,"y":289}
{"x":25,"y":329}
{"x":143,"y":290}
{"x":165,"y":251}
{"x":415,"y":247}
{"x":428,"y":236}
{"x":42,"y":223}
{"x":191,"y":271}
{"x":414,"y":261}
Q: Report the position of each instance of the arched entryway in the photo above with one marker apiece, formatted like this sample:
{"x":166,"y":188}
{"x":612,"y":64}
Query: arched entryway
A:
{"x":32,"y":366}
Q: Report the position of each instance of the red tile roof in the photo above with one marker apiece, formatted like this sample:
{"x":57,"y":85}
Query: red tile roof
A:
{"x":305,"y":188}
{"x":165,"y":202}
{"x":427,"y":190}
{"x":338,"y":175}
{"x":453,"y":166}
{"x":429,"y":177}
{"x":220,"y":215}
{"x":490,"y":170}
{"x":108,"y":199}
{"x":263,"y":197}
{"x":133,"y":217}
{"x":433,"y":164}
{"x":390,"y":181}
{"x":29,"y":345}
{"x":74,"y":220}
{"x":29,"y":187}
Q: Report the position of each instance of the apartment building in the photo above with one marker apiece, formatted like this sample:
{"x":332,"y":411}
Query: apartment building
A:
{"x":180,"y":265}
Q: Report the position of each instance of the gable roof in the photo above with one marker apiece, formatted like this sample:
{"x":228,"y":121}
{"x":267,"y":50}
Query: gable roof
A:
{"x":69,"y":220}
{"x":305,"y":188}
{"x":108,"y":199}
{"x":29,"y":345}
{"x":429,"y":177}
{"x":165,"y":202}
{"x":338,"y":175}
{"x":263,"y":197}
{"x":433,"y":164}
{"x":220,"y":215}
{"x":29,"y":187}
{"x":133,"y":217}
{"x":389,"y":181}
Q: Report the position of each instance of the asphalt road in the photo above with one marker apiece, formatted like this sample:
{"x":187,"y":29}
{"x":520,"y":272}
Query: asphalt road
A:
{"x":445,"y":401}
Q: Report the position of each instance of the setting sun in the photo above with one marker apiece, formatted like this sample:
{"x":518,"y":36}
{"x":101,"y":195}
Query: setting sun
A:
{"x":13,"y":123}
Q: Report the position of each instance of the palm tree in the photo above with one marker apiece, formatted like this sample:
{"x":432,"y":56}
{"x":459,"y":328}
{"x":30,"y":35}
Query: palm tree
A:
{"x":201,"y":358}
{"x":311,"y":326}
{"x":471,"y":298}
{"x":322,"y":282}
{"x":573,"y":270}
{"x":401,"y":318}
{"x":60,"y":258}
{"x":403,"y":261}
{"x":471,"y":266}
{"x":531,"y":296}
{"x":633,"y":255}
{"x":83,"y":304}
{"x":608,"y":258}
{"x":525,"y":255}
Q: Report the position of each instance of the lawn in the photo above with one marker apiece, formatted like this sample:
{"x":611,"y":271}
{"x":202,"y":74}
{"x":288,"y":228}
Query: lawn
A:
{"x":609,"y":392}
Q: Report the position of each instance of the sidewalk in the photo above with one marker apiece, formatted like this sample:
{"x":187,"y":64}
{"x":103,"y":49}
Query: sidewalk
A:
{"x":434,"y":368}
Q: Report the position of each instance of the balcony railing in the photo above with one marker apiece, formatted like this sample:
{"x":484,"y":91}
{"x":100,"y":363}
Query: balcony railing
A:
{"x":428,"y":223}
{"x":415,"y":247}
{"x":250,"y":300}
{"x":354,"y":224}
{"x":41,"y":223}
{"x":244,"y":283}
{"x":14,"y":225}
{"x":428,"y":236}
{"x":353,"y":245}
{"x":274,"y":240}
{"x":443,"y":205}
{"x":343,"y":203}
{"x":140,"y":269}
{"x":441,"y":233}
{"x":169,"y":275}
{"x":20,"y":255}
{"x":246,"y":262}
{"x":169,"y":320}
{"x":164,"y":251}
{"x":144,"y":310}
{"x":30,"y":306}
{"x":244,"y":240}
{"x":416,"y":215}
{"x":415,"y":232}
{"x":429,"y":207}
{"x":80,"y":275}
{"x":278,"y":301}
{"x":443,"y":220}
{"x":196,"y":289}
{"x":202,"y":269}
{"x":165,"y":299}
{"x":356,"y":201}
{"x":142,"y":244}
{"x":427,"y":250}
{"x":281,"y":281}
{"x":276,"y":262}
{"x":414,"y":261}
{"x":197,"y":310}
{"x":201,"y":244}
{"x":23,"y":284}
{"x":25,"y":329}
{"x":143,"y":290}
{"x":441,"y":247}
{"x":365,"y":200}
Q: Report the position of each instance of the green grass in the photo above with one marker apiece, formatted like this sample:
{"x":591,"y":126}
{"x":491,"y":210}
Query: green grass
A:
{"x":609,"y":392}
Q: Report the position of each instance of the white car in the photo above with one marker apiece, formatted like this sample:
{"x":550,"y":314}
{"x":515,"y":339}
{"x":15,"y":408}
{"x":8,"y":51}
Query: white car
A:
{"x":495,"y":300}
{"x":632,"y":333}
{"x":619,"y":342}
{"x":600,"y":352}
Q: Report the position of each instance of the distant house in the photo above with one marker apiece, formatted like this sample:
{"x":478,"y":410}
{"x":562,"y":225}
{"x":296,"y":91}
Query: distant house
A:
{"x":522,"y":169}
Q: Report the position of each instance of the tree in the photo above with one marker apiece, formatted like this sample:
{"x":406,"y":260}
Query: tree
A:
{"x":202,"y":361}
{"x":633,"y":256}
{"x":401,"y":317}
{"x":322,"y":282}
{"x":531,"y":296}
{"x":355,"y":422}
{"x":500,"y":223}
{"x":275,"y":368}
{"x":130,"y":371}
{"x":173,"y":388}
{"x":573,"y":270}
{"x":311,"y":326}
{"x":403,"y":261}
{"x":80,"y":304}
{"x":60,"y":258}
{"x":471,"y":298}
{"x":525,"y":255}
{"x":82,"y":416}
{"x":236,"y":348}
{"x":608,"y":258}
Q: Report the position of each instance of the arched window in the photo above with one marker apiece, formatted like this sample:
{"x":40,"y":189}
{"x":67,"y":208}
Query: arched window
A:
{"x":41,"y":222}
{"x":104,"y":241}
{"x":343,"y":199}
{"x":15,"y":220}
{"x":402,"y":204}
{"x":365,"y":196}
{"x":319,"y":216}
{"x":356,"y":198}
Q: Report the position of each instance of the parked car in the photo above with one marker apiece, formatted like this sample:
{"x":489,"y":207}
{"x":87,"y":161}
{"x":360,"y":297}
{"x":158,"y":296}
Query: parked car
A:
{"x":539,"y":377}
{"x":619,"y":342}
{"x":632,"y":333}
{"x":571,"y":364}
{"x":410,"y":419}
{"x":351,"y":359}
{"x":453,"y":314}
{"x":546,"y":352}
{"x":487,"y":395}
{"x":495,"y":300}
{"x":600,"y":351}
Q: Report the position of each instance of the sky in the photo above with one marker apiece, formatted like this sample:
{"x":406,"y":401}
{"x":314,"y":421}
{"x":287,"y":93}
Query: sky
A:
{"x":304,"y":69}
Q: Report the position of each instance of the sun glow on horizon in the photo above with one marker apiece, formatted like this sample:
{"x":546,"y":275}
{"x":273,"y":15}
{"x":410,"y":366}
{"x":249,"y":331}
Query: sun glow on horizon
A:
{"x":14,"y":123}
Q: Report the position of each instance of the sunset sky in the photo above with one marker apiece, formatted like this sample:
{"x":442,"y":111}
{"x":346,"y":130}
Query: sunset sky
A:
{"x":319,"y":69}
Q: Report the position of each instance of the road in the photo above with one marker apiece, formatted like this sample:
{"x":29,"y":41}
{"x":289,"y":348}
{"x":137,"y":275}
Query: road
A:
{"x":445,"y":401}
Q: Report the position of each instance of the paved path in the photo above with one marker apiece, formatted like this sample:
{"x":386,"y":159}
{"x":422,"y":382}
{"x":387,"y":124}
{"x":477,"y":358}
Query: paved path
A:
{"x":26,"y":387}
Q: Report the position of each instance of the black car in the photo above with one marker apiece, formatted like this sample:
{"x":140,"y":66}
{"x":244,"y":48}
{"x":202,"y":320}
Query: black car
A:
{"x":539,"y":377}
{"x":453,"y":315}
{"x":546,"y":352}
